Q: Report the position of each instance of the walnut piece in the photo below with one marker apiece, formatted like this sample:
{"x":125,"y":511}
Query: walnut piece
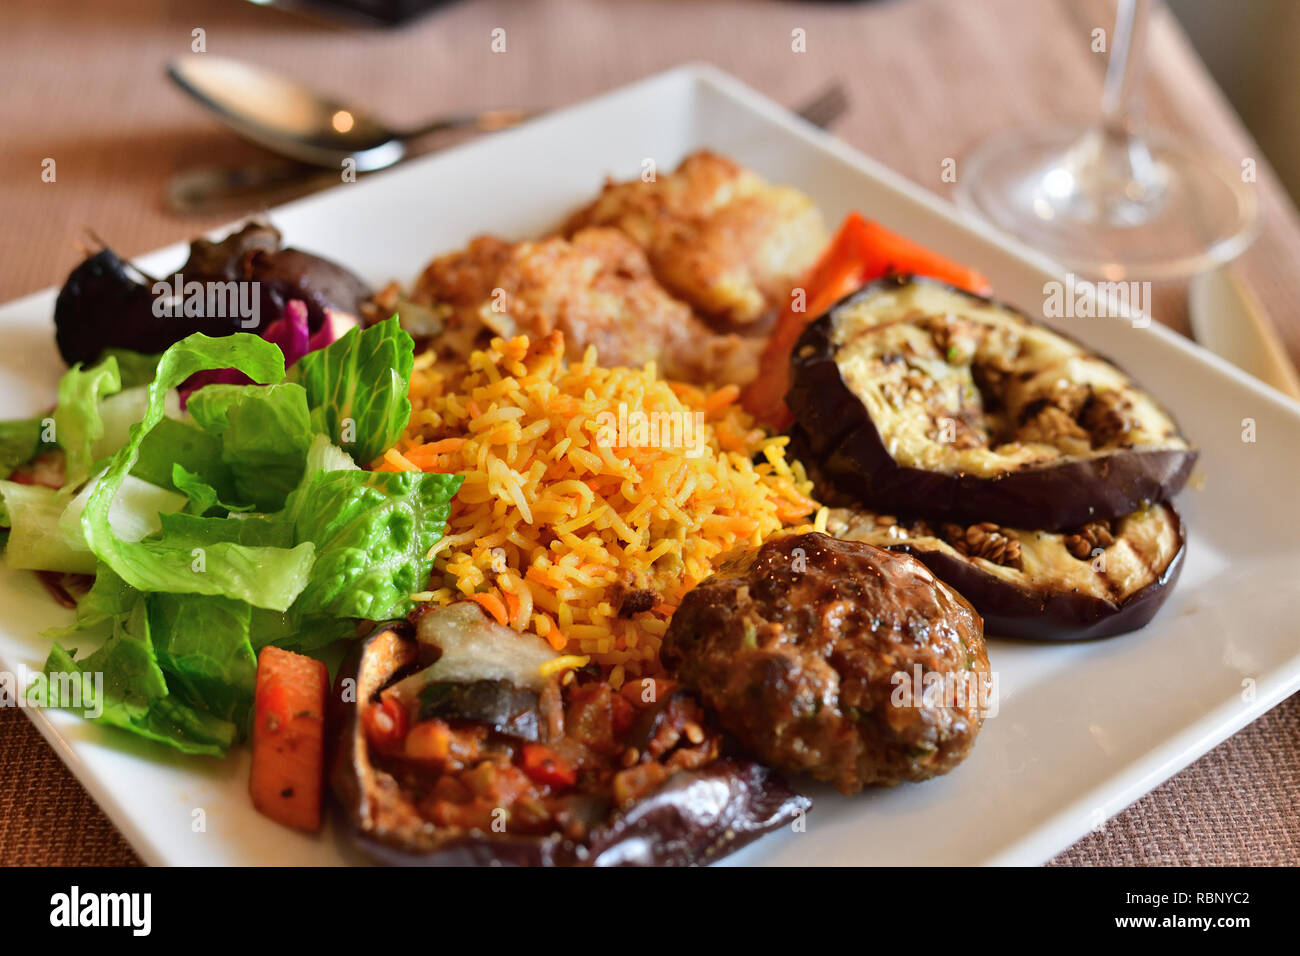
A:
{"x":985,"y":540}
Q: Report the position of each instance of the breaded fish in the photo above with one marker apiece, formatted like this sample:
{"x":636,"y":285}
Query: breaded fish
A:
{"x":596,"y":288}
{"x":717,"y":235}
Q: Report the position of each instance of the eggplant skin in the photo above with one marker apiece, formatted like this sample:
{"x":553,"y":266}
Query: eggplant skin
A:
{"x":696,"y":817}
{"x":853,"y":455}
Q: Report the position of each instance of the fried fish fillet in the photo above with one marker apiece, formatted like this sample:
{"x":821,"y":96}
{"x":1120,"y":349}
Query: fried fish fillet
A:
{"x":596,"y":288}
{"x":716,"y":234}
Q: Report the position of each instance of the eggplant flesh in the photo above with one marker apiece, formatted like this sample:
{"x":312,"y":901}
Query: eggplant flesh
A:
{"x":1100,"y":580}
{"x":694,"y":817}
{"x":921,"y":398}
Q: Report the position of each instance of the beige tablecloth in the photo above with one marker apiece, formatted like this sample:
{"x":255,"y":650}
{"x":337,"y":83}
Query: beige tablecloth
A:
{"x":82,"y":83}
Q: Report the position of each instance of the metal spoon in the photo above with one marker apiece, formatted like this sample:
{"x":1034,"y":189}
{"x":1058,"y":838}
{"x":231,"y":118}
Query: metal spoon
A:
{"x":294,"y":121}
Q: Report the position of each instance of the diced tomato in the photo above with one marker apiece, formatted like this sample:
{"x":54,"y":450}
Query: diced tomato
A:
{"x":622,"y":714}
{"x":385,"y":723}
{"x":429,"y":740}
{"x":545,"y":766}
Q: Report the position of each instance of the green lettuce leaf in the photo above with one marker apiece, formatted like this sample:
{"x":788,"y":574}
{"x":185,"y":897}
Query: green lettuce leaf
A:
{"x":20,"y":442}
{"x":134,"y":694}
{"x":202,"y":645}
{"x":298,"y":632}
{"x":38,"y":539}
{"x":136,"y":368}
{"x":265,"y":432}
{"x":78,"y":422}
{"x":357,"y":388}
{"x":108,"y":598}
{"x":250,"y":531}
{"x":262,"y":576}
{"x":174,"y":443}
{"x":372,"y":532}
{"x":203,"y":497}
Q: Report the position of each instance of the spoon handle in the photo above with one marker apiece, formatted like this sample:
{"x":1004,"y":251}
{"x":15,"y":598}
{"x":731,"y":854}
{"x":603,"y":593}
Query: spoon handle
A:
{"x":488,"y":121}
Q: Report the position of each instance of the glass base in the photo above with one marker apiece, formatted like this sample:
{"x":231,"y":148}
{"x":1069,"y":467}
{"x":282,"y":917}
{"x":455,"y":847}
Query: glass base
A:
{"x":1111,"y":205}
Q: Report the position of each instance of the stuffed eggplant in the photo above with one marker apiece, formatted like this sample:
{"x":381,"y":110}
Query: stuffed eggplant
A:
{"x":460,"y":744}
{"x":1101,"y":579}
{"x":918,"y":397}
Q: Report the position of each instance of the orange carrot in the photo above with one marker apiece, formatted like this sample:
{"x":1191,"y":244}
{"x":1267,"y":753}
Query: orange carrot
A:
{"x":426,"y":455}
{"x":861,"y":252}
{"x":512,"y":605}
{"x":289,"y":738}
{"x":721,"y":399}
{"x":399,"y":461}
{"x":492,"y":604}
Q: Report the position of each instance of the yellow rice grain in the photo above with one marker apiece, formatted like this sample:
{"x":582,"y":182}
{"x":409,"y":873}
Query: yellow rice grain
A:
{"x":577,"y":516}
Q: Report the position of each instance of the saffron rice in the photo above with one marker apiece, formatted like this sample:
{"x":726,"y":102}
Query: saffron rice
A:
{"x":561,"y":514}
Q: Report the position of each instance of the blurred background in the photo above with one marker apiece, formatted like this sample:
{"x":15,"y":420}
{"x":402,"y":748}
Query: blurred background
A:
{"x":1252,"y":48}
{"x":84,"y":81}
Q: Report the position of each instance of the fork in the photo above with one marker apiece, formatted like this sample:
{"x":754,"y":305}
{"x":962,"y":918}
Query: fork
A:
{"x":827,"y":106}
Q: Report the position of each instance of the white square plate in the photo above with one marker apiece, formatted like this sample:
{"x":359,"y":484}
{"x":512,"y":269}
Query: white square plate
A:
{"x":1083,"y":729}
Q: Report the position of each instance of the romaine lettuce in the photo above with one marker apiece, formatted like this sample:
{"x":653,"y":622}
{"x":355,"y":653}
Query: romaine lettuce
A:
{"x":78,"y":423}
{"x":20,"y":442}
{"x":262,"y":576}
{"x":265,"y":432}
{"x":372,"y":532}
{"x":357,"y":388}
{"x":187,"y":598}
{"x":134,"y":693}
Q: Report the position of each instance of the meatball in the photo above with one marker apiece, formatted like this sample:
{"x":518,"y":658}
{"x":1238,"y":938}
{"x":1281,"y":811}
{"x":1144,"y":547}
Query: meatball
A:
{"x":835,"y":658}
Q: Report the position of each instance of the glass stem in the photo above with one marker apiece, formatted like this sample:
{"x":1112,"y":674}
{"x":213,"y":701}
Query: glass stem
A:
{"x":1121,"y":102}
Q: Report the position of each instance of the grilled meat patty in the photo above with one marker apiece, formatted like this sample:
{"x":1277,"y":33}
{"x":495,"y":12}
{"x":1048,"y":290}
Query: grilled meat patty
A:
{"x":810,"y":648}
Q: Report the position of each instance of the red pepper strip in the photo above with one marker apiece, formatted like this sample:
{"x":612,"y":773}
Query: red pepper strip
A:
{"x":543,"y":765}
{"x":861,"y":252}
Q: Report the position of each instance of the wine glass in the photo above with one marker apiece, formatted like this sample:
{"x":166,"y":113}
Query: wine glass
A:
{"x":1116,"y":200}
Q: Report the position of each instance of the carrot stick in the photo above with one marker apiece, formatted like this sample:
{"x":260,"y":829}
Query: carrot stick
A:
{"x":289,"y":738}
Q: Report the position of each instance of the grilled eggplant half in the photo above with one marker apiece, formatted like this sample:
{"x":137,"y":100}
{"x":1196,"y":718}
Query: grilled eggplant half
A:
{"x":920,"y":398}
{"x":593,"y":777}
{"x":1105,"y":578}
